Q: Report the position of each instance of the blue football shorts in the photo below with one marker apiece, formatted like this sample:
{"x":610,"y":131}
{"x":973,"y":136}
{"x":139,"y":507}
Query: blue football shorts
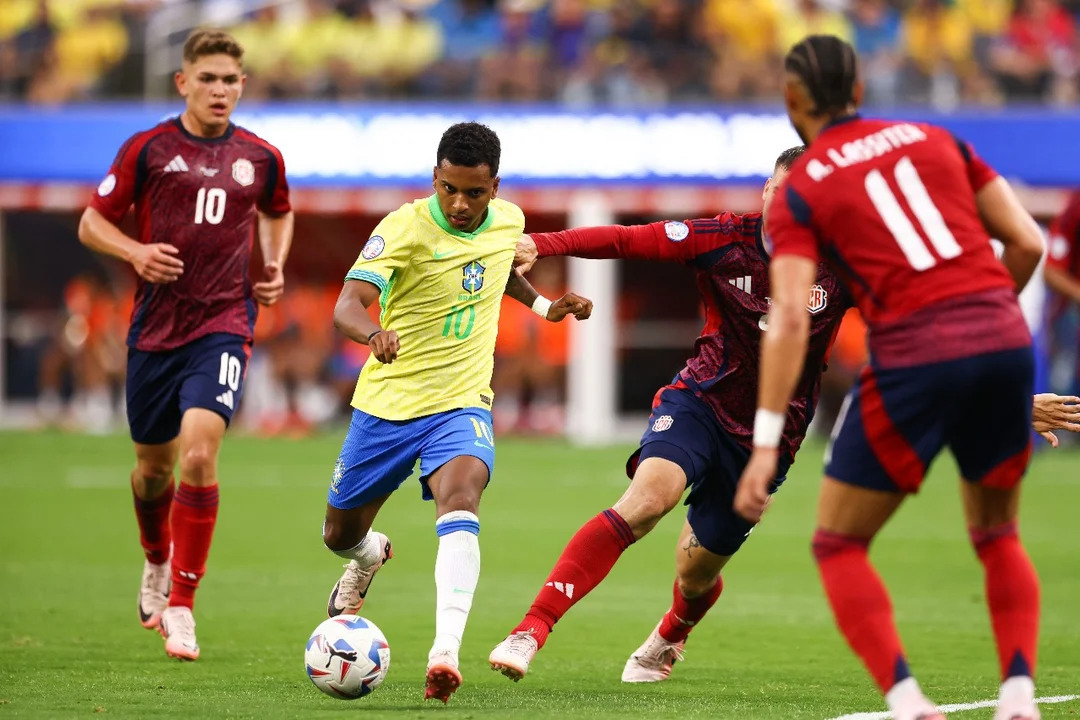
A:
{"x":378,"y":455}
{"x":684,"y":430}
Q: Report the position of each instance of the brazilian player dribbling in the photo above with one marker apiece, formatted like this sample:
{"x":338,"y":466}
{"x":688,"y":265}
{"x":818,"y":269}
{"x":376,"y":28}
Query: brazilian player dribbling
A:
{"x":438,"y":267}
{"x":202,"y":189}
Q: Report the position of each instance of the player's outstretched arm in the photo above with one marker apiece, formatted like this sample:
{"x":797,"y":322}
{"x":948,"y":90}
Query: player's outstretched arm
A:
{"x":352,"y":319}
{"x":1006,"y":220}
{"x":522,"y":290}
{"x":658,"y":241}
{"x":275,"y":239}
{"x":1055,"y":412}
{"x":154,"y":262}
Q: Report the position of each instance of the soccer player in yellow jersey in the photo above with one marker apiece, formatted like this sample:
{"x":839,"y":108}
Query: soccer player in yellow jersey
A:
{"x":438,"y":267}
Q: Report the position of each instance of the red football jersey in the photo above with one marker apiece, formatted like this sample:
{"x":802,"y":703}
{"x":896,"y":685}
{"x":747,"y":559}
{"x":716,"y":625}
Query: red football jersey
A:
{"x":732,"y":269}
{"x":200,"y":195}
{"x":891,"y":206}
{"x":1065,"y":238}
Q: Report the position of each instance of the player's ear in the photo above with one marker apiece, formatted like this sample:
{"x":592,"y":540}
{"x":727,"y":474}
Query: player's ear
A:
{"x":495,"y":188}
{"x":435,"y":177}
{"x":181,"y":83}
{"x":243,"y":82}
{"x":765,"y":190}
{"x":857,"y":92}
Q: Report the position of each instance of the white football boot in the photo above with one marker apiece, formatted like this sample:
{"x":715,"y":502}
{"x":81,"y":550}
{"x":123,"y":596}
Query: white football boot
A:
{"x":653,"y":660}
{"x":178,"y":629}
{"x":512,"y":656}
{"x":1016,"y":701}
{"x":443,"y":677}
{"x":154,"y":593}
{"x":349,"y":592}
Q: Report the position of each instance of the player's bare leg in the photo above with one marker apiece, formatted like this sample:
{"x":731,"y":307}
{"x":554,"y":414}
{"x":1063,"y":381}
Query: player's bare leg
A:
{"x":456,"y":488}
{"x":194,"y":516}
{"x":1012,"y":593}
{"x":657,"y":487}
{"x":348,"y":534}
{"x":697,"y":587}
{"x":848,"y":519}
{"x":152,"y":490}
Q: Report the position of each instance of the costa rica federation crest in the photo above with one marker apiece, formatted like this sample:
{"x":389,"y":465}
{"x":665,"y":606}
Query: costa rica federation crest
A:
{"x":473,"y":277}
{"x":819,"y":298}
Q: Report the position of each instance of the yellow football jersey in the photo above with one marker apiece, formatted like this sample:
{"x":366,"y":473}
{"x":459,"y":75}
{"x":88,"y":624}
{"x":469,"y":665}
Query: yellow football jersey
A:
{"x":441,"y":290}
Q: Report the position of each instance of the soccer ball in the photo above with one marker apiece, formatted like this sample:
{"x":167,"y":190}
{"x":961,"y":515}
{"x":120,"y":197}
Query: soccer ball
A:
{"x":347,"y":657}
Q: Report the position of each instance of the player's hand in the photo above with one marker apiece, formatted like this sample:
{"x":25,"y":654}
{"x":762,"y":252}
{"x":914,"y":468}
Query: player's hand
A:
{"x":570,"y":304}
{"x":270,"y":289}
{"x":158,"y":263}
{"x":525,"y":254}
{"x":1055,"y":412}
{"x":384,"y":346}
{"x":752,"y":494}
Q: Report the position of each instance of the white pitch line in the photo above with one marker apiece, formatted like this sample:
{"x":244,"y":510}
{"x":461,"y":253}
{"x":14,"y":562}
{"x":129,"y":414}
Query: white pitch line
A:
{"x":958,"y":707}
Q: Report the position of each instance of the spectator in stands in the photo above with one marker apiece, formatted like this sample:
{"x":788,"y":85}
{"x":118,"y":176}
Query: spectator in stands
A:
{"x":266,"y":39}
{"x":743,"y":35}
{"x":472,"y":31}
{"x":512,"y":70}
{"x":84,"y":51}
{"x":876,"y":27}
{"x":29,"y":50}
{"x":938,"y":43}
{"x":1037,"y":58}
{"x":811,"y":17}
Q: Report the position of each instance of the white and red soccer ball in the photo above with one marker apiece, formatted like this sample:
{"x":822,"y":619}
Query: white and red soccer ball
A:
{"x":347,"y":657}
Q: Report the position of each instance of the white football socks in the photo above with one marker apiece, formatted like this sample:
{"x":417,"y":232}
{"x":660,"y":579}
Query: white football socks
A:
{"x":366,"y":553}
{"x":457,"y":570}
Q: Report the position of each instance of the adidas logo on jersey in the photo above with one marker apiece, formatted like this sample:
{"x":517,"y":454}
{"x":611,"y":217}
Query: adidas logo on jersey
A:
{"x":177,"y":164}
{"x":743,"y":283}
{"x":226,"y":399}
{"x":566,"y":589}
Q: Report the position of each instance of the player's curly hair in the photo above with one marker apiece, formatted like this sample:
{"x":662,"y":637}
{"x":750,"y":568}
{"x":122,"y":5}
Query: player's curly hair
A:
{"x":470,"y":144}
{"x":827,"y":67}
{"x":787,"y":158}
{"x":208,"y":41}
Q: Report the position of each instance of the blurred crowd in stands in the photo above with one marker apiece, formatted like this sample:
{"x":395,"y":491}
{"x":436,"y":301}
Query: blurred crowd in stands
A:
{"x":577,"y":52}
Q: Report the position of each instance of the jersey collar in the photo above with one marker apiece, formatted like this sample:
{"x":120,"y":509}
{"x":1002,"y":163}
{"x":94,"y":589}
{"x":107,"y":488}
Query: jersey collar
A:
{"x":221,"y":138}
{"x":441,"y":221}
{"x":841,"y":120}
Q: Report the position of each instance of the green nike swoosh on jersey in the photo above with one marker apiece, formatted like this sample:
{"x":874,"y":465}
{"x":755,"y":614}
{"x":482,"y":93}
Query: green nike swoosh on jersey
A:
{"x":440,"y":255}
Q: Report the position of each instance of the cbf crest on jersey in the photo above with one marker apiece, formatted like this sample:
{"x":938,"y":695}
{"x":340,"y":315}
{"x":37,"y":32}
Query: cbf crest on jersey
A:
{"x":243,"y":172}
{"x":473,"y":278}
{"x":819,"y":298}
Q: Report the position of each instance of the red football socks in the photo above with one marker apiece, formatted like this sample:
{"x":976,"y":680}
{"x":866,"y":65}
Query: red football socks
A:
{"x":861,"y":605}
{"x":586,"y":560}
{"x":1012,"y":594}
{"x":685,"y":612}
{"x":155,"y":534}
{"x":193,"y":518}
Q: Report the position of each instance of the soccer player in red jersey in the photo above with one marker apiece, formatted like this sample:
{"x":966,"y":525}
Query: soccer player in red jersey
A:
{"x":202,"y":189}
{"x":699,"y":433}
{"x":904,"y":212}
{"x":1062,"y":271}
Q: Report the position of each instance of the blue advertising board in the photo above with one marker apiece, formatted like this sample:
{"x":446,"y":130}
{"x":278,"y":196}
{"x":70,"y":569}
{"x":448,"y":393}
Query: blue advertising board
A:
{"x":368,"y":145}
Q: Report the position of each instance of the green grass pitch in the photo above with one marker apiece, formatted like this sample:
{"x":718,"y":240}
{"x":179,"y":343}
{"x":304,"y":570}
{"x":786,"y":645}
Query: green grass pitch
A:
{"x":71,"y":646}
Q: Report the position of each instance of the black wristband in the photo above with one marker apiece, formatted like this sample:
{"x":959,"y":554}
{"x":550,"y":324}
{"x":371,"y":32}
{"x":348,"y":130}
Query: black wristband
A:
{"x":373,"y":335}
